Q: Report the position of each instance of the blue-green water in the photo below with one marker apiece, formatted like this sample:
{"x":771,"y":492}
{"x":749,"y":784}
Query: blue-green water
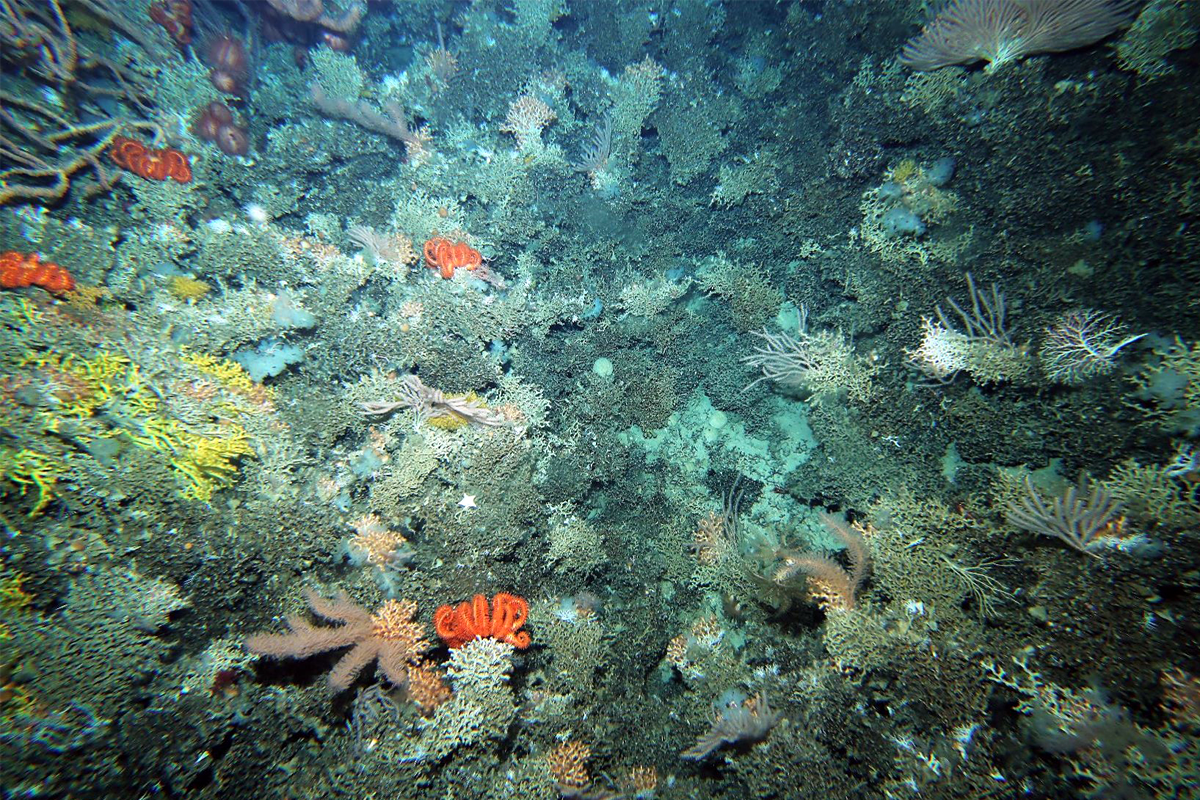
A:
{"x":565,"y":398}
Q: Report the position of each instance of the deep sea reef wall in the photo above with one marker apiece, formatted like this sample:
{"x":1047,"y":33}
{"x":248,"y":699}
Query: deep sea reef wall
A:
{"x":595,"y":399}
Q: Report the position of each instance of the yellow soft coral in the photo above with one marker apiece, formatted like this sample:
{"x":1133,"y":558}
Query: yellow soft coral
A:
{"x":229,"y":373}
{"x":13,"y":596}
{"x":904,"y":171}
{"x":80,"y":386}
{"x":233,"y":377}
{"x":27,"y":468}
{"x":202,"y":463}
{"x":208,"y":463}
{"x":187,"y":288}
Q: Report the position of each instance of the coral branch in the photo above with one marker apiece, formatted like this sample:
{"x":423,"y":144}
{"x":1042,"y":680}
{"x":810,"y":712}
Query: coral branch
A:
{"x":394,"y":124}
{"x":45,"y":145}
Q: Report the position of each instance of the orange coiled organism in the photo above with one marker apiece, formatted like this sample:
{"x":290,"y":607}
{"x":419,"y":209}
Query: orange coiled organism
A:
{"x":446,"y":256}
{"x":18,"y":270}
{"x":155,"y":165}
{"x":457,"y":625}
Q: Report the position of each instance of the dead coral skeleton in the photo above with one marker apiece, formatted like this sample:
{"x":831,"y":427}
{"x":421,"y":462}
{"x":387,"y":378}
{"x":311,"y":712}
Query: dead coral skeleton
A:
{"x":44,"y":144}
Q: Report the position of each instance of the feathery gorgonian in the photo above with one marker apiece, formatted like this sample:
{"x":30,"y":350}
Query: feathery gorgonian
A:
{"x":428,"y":403}
{"x":747,"y":719}
{"x":1083,"y":344}
{"x":1085,"y":516}
{"x":390,"y":636}
{"x":1001,"y":31}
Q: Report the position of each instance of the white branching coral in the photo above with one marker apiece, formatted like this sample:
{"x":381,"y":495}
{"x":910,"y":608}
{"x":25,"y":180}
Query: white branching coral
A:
{"x":1083,"y":344}
{"x":983,"y":348}
{"x":527,"y":116}
{"x":482,"y":706}
{"x":576,"y":546}
{"x":822,"y":363}
{"x":653,"y":297}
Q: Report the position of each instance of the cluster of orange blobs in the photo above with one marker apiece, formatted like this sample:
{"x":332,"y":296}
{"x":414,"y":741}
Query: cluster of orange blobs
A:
{"x":149,"y":163}
{"x":18,"y":270}
{"x":457,"y":625}
{"x":446,"y":256}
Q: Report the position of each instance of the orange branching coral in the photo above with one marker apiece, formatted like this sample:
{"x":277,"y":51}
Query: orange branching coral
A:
{"x":446,"y":256}
{"x":527,"y":115}
{"x":687,"y":648}
{"x":568,"y":764}
{"x":389,"y":636}
{"x":709,"y":540}
{"x":375,"y":544}
{"x":641,"y":781}
{"x":18,"y":270}
{"x":426,"y":688}
{"x":677,"y":651}
{"x":148,"y":163}
{"x":458,"y":625}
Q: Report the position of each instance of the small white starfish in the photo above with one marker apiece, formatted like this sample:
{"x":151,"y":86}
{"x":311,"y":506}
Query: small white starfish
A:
{"x":468,"y":501}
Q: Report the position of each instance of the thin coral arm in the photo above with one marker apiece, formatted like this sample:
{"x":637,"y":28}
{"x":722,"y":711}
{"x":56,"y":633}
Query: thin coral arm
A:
{"x":350,"y":665}
{"x":510,"y":614}
{"x":481,"y":618}
{"x":430,"y":251}
{"x":393,"y":658}
{"x":340,"y":609}
{"x":518,"y":606}
{"x":303,"y":640}
{"x":444,"y":626}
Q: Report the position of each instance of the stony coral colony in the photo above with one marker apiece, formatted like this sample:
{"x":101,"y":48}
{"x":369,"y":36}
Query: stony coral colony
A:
{"x":560,"y":404}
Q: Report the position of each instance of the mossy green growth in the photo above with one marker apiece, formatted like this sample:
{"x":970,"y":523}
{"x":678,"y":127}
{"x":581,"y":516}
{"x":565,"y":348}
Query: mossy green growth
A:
{"x":13,"y":598}
{"x":19,"y":313}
